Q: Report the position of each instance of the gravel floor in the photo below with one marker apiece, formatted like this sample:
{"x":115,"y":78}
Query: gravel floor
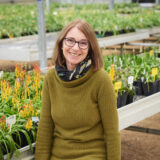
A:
{"x":139,"y":145}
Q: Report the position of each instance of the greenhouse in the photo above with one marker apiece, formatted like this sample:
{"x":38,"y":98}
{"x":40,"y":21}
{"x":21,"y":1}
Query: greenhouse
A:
{"x":83,"y":74}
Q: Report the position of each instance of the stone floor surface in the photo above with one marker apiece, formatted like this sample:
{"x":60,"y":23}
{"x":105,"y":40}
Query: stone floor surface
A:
{"x":139,"y":145}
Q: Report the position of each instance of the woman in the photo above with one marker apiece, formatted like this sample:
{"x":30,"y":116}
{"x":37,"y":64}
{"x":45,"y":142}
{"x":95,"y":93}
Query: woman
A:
{"x":79,"y":118}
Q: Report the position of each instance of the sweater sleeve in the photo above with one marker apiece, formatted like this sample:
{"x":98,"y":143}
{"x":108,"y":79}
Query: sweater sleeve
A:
{"x":109,"y":116}
{"x":45,"y":128}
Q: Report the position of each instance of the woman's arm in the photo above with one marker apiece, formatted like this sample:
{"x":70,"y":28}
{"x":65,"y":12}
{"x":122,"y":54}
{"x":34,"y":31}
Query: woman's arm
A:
{"x":45,"y":128}
{"x":108,"y":111}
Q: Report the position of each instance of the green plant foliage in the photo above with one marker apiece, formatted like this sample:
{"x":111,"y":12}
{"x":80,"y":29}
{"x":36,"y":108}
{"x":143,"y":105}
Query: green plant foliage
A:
{"x":21,"y":20}
{"x":140,"y":67}
{"x":20,"y":95}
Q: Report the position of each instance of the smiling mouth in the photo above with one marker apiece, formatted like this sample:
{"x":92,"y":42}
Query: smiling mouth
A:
{"x":73,"y":54}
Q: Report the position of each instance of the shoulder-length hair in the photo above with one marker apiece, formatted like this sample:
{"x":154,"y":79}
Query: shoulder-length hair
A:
{"x":94,"y":50}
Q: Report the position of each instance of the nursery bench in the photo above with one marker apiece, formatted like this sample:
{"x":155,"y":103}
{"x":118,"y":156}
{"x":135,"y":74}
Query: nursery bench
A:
{"x":156,"y":35}
{"x":144,"y":44}
{"x":128,"y":115}
{"x":122,"y":39}
{"x":26,"y":48}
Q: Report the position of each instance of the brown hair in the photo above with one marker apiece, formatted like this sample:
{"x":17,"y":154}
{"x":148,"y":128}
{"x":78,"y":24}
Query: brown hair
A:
{"x":94,"y":50}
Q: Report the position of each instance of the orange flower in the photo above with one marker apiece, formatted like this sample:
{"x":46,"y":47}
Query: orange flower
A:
{"x":36,"y":68}
{"x":10,"y":36}
{"x":2,"y":122}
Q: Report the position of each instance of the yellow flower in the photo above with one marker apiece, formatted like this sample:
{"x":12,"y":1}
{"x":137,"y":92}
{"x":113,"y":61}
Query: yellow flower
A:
{"x":6,"y":90}
{"x":28,"y":80}
{"x":112,"y":72}
{"x":29,"y":124}
{"x":27,"y":110}
{"x":151,"y":53}
{"x":36,"y":114}
{"x":22,"y":113}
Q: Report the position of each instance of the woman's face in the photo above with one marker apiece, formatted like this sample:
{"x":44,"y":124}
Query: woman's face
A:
{"x":74,"y":53}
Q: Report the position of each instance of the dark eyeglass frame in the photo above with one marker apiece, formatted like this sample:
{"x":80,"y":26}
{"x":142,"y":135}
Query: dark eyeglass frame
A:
{"x":75,"y":43}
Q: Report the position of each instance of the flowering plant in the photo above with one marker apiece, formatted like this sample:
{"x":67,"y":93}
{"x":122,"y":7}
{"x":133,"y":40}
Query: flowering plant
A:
{"x":20,"y":95}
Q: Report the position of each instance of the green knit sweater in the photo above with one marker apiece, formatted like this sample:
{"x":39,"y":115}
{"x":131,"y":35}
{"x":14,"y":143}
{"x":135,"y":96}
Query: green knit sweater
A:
{"x":79,"y":119}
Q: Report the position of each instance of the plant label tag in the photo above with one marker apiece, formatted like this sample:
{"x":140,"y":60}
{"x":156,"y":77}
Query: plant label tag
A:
{"x":121,"y":64}
{"x":154,"y":71}
{"x":35,"y":119}
{"x":1,"y":74}
{"x":11,"y":120}
{"x":133,"y":50}
{"x":144,"y":71}
{"x":142,"y":79}
{"x":130,"y":80}
{"x":118,"y":85}
{"x":141,"y":49}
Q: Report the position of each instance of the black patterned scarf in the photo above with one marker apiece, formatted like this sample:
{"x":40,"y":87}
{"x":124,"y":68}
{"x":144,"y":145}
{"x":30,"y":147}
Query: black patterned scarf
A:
{"x":78,"y":72}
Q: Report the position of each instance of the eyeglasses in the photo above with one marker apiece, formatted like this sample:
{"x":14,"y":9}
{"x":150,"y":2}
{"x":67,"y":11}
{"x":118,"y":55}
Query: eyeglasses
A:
{"x":71,"y":42}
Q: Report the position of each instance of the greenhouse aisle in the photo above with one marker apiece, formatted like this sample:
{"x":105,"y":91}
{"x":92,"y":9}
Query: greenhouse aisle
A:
{"x":141,"y":145}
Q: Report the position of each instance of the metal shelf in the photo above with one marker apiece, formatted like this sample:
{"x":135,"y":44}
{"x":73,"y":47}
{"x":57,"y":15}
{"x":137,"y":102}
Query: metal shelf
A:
{"x":25,"y":154}
{"x":26,"y":48}
{"x":139,"y":110}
